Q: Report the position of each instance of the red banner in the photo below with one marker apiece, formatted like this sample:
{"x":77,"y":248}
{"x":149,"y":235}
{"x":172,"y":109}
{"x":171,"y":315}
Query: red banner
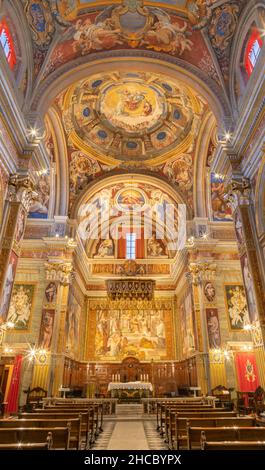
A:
{"x":247,"y":371}
{"x":12,"y":398}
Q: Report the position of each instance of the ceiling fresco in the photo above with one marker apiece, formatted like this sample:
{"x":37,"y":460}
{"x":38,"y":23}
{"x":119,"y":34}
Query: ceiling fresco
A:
{"x":125,"y":117}
{"x":131,"y":121}
{"x":66,"y":30}
{"x":121,"y":198}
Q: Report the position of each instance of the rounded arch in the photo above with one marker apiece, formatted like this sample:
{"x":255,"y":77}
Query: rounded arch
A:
{"x":136,"y":177}
{"x":61,"y":185}
{"x":260,"y":199}
{"x":172,"y":67}
{"x":153,"y":189}
{"x":201,"y":188}
{"x":1,"y":198}
{"x":250,"y":15}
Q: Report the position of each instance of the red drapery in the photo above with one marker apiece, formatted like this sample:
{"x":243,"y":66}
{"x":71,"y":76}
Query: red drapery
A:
{"x":12,"y":398}
{"x":139,"y":242}
{"x":247,"y":371}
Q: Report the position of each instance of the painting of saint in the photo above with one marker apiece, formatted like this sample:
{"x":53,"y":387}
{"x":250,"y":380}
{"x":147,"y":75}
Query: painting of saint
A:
{"x":237,"y":309}
{"x":213,"y":328}
{"x":187,"y":325}
{"x":155,"y":247}
{"x":106,"y":248}
{"x":8,"y":285}
{"x":46,"y":329}
{"x":21,"y":222}
{"x":38,"y":18}
{"x":40,"y":206}
{"x":249,"y":287}
{"x":209,"y":291}
{"x":21,"y":306}
{"x":220,"y":208}
{"x":129,"y":199}
{"x":132,"y":106}
{"x":239,"y":228}
{"x":72,"y":326}
{"x":50,"y":292}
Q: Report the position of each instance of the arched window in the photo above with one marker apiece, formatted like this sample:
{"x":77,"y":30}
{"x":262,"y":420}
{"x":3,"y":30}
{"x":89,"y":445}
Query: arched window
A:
{"x":7,"y":44}
{"x":252,"y":50}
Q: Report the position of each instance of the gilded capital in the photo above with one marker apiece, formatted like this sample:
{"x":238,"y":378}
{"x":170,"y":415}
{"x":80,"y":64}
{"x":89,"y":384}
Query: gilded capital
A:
{"x":21,"y":189}
{"x":238,"y":192}
{"x":201,"y":271}
{"x":59,"y":271}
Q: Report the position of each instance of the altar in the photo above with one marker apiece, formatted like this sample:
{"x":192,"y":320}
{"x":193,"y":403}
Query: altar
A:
{"x":130,"y":391}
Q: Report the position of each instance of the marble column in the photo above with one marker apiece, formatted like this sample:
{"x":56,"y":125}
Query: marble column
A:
{"x":202,"y":272}
{"x":62,"y":274}
{"x":19,"y":199}
{"x":240,"y":198}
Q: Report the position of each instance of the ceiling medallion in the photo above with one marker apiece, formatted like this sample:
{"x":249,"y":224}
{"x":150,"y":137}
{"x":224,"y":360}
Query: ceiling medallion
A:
{"x":132,"y":106}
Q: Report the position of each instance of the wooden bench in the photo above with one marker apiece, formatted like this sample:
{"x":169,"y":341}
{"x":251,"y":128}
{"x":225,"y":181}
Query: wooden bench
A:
{"x":73,"y":423}
{"x":87,"y":422}
{"x":235,"y":445}
{"x":165,"y":409}
{"x":161,"y":406}
{"x":58,"y":438}
{"x":95,"y":419}
{"x":180,"y":425}
{"x":252,"y":434}
{"x":192,"y":414}
{"x":27,"y":446}
{"x":97,"y":411}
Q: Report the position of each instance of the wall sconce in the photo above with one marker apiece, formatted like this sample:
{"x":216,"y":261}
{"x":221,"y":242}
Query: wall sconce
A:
{"x":40,"y":355}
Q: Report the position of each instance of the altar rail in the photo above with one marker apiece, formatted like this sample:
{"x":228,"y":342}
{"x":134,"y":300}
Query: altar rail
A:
{"x":150,"y":404}
{"x":109,"y":404}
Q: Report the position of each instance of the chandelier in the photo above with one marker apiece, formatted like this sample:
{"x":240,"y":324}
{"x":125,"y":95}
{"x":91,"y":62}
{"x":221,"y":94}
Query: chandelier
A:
{"x":130,"y":289}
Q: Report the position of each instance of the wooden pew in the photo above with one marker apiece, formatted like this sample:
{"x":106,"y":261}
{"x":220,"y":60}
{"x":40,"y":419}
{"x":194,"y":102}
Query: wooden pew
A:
{"x":87,"y":423}
{"x":98,"y":411}
{"x":166,"y":408}
{"x":235,"y":445}
{"x":193,"y":414}
{"x":179,"y":433}
{"x":95,"y":416}
{"x":28,"y":446}
{"x":189,"y":430}
{"x":57,"y":437}
{"x":252,"y":434}
{"x":161,"y":406}
{"x":73,"y":423}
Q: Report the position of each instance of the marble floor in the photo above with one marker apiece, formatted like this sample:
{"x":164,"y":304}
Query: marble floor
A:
{"x":129,"y":429}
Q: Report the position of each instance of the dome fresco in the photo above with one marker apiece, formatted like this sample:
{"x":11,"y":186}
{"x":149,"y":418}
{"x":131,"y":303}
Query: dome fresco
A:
{"x":130,"y":116}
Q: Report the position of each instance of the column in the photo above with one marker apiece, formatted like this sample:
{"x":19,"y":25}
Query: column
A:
{"x":239,"y":196}
{"x":62,"y":274}
{"x":202,"y":273}
{"x":20,"y":196}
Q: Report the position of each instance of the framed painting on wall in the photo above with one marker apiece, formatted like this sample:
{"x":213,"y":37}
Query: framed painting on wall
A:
{"x":21,"y":306}
{"x":236,"y":306}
